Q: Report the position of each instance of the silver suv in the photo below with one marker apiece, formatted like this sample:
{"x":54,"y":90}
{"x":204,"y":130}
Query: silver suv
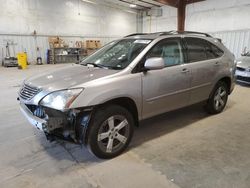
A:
{"x":99,"y":101}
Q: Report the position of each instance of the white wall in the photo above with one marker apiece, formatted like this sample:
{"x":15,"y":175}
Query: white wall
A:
{"x":205,"y":16}
{"x":218,"y":15}
{"x":228,"y":19}
{"x":167,"y":22}
{"x":235,"y":40}
{"x":71,"y":19}
{"x":225,"y":19}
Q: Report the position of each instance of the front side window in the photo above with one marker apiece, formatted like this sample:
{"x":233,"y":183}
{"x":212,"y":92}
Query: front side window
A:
{"x":170,"y":50}
{"x":118,"y":54}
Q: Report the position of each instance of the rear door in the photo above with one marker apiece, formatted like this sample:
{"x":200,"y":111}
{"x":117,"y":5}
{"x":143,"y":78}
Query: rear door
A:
{"x":204,"y":65}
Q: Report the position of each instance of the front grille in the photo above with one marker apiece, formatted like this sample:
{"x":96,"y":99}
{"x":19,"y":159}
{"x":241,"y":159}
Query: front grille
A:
{"x":28,"y":92}
{"x":242,"y":78}
{"x":240,"y":69}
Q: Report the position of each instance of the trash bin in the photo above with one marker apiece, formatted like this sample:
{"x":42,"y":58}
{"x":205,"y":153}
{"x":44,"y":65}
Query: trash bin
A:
{"x":22,"y":60}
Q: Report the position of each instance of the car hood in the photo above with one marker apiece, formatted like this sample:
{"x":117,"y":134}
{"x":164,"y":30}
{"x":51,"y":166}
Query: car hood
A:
{"x":68,"y":77}
{"x":243,"y":62}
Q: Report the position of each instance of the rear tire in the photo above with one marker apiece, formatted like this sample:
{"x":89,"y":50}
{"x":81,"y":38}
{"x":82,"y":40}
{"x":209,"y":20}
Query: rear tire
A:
{"x":218,"y":98}
{"x":111,"y":130}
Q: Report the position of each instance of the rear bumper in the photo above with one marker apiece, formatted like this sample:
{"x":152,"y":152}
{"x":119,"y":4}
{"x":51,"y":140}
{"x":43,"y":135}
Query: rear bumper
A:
{"x":35,"y":121}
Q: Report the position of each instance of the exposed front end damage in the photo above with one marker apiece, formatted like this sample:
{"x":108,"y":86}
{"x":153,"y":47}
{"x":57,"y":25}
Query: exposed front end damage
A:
{"x":70,"y":125}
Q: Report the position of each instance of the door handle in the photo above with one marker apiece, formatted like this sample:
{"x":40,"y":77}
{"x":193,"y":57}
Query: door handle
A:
{"x":216,"y":63}
{"x":185,"y":70}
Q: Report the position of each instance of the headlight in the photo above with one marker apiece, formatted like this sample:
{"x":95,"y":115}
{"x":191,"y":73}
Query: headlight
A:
{"x":61,"y":100}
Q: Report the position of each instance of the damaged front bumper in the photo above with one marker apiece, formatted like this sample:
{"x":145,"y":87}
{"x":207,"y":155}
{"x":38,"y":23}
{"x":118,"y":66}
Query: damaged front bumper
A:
{"x":71,"y":125}
{"x":35,"y":121}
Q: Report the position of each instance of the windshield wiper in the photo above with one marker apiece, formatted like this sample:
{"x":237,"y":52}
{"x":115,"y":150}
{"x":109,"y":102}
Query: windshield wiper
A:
{"x":114,"y":68}
{"x":95,"y":65}
{"x":103,"y":66}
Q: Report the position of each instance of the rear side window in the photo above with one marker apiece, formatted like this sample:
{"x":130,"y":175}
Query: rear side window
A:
{"x":213,"y":51}
{"x":196,"y":49}
{"x":200,"y":50}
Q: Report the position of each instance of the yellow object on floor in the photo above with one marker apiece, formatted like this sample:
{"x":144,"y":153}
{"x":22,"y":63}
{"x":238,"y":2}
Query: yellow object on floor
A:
{"x":22,"y":60}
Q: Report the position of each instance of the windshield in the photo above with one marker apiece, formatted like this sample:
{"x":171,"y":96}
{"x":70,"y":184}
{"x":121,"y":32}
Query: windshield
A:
{"x":117,"y":54}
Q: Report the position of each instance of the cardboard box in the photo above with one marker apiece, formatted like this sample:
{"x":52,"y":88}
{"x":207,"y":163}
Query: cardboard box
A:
{"x":54,"y":40}
{"x":98,"y":44}
{"x":93,"y":44}
{"x":56,"y":45}
{"x":90,"y":44}
{"x":57,"y":42}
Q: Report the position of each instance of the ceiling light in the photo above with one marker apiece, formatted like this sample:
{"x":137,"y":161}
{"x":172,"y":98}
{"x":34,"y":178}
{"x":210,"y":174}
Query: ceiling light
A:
{"x":88,"y":1}
{"x":132,"y":6}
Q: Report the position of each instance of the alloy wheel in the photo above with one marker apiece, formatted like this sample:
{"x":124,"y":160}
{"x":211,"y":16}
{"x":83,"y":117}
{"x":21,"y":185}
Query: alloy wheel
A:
{"x":113,"y":134}
{"x":220,"y":98}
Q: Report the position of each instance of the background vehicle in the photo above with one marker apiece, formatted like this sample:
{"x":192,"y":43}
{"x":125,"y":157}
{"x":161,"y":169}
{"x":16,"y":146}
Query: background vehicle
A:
{"x":243,"y":68}
{"x":99,"y":102}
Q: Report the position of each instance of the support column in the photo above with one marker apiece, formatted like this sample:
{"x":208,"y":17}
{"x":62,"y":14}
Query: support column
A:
{"x":181,"y":15}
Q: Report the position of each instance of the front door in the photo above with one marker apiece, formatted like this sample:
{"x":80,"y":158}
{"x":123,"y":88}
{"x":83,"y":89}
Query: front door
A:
{"x":168,"y":88}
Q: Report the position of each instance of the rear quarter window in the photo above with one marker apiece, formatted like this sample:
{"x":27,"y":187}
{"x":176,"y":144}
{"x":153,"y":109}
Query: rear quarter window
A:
{"x":213,"y":51}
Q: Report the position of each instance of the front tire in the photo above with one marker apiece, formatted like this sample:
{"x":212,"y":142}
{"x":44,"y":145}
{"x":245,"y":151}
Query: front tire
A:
{"x":111,"y":130}
{"x":218,"y":98}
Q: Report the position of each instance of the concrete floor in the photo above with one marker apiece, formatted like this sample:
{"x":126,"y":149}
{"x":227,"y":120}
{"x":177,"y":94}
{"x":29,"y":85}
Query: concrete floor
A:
{"x":185,"y":148}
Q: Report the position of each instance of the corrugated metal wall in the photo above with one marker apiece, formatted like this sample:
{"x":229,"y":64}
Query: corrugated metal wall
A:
{"x":29,"y":44}
{"x":24,"y":44}
{"x":235,"y":41}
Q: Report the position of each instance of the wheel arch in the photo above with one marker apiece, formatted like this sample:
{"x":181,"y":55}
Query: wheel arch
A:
{"x":227,"y":80}
{"x":126,"y":103}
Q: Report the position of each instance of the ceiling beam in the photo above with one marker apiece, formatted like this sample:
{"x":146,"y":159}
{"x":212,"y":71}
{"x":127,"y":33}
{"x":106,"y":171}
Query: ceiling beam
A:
{"x":181,"y":9}
{"x":193,"y":1}
{"x":143,"y":7}
{"x":149,"y":3}
{"x":172,"y":3}
{"x":176,"y":3}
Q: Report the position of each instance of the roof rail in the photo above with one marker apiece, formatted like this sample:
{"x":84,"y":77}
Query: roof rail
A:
{"x":187,"y":32}
{"x":171,"y":33}
{"x":135,"y":34}
{"x":163,"y":33}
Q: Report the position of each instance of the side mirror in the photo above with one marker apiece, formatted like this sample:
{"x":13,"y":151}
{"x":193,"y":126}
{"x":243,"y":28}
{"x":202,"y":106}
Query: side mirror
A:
{"x":154,"y":63}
